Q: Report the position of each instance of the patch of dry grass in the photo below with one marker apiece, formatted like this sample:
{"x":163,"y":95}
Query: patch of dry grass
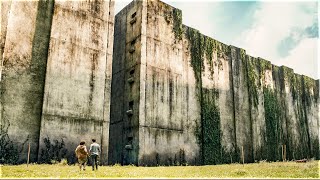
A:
{"x":255,"y":170}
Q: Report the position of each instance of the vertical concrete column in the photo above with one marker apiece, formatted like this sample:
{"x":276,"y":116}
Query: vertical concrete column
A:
{"x":241,"y":104}
{"x":117,"y":90}
{"x":294,"y":114}
{"x":127,"y":62}
{"x":311,"y":105}
{"x":23,"y":72}
{"x":77,"y":90}
{"x":258,"y":79}
{"x":5,"y":11}
{"x":108,"y":81}
{"x":191,"y":113}
{"x":310,"y":100}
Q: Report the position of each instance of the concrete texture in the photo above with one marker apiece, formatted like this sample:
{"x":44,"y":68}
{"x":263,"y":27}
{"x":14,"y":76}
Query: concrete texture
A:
{"x":179,"y":97}
{"x":56,"y":74}
{"x":78,"y":75}
{"x":23,"y":72}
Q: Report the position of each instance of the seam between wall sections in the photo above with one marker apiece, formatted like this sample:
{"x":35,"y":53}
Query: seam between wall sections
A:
{"x":45,"y":76}
{"x":233,"y":99}
{"x":105,"y":85}
{"x":246,"y":61}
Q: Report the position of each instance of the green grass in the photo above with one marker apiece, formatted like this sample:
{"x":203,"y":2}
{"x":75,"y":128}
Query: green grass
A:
{"x":255,"y":170}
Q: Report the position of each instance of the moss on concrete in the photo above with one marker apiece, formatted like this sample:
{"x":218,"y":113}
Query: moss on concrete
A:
{"x":197,"y":51}
{"x":209,"y":132}
{"x":211,"y":128}
{"x":177,"y":23}
{"x":252,"y":81}
{"x":273,"y":118}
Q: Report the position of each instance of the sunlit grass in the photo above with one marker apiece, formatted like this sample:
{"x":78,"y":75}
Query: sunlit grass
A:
{"x":255,"y":170}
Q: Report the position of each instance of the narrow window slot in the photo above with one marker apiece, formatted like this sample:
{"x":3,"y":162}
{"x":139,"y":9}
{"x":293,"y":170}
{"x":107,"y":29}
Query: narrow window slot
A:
{"x":134,"y":15}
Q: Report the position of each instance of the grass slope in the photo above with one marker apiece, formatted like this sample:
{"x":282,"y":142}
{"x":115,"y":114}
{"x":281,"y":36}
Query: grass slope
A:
{"x":256,"y":170}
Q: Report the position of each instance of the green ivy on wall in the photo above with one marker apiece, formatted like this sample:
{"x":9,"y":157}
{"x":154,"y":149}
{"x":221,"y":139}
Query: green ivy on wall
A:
{"x":208,"y":134}
{"x":177,"y":23}
{"x":252,"y":82}
{"x":273,"y":124}
{"x":211,"y":128}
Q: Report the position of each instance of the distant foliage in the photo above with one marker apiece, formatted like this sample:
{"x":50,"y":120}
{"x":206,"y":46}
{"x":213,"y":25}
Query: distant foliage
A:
{"x":53,"y":152}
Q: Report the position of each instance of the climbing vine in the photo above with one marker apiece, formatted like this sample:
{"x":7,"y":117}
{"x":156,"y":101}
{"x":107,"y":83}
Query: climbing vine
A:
{"x":197,"y":51}
{"x":252,"y":82}
{"x":294,"y":82}
{"x":177,"y":23}
{"x":208,"y":134}
{"x":211,"y":128}
{"x":264,"y":65}
{"x":310,"y":84}
{"x":273,"y":124}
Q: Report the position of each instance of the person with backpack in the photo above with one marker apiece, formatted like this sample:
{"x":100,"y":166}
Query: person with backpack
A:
{"x":94,"y":153}
{"x":82,"y":155}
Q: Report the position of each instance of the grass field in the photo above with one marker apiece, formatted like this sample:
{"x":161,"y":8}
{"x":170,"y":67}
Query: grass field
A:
{"x":255,"y":170}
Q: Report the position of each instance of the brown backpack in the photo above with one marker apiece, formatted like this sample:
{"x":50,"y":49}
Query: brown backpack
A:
{"x":82,"y":152}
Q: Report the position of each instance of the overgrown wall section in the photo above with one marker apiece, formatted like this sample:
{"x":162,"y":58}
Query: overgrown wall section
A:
{"x":78,"y":78}
{"x":204,"y":102}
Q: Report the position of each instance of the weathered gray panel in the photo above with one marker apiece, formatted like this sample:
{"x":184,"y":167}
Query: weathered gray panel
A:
{"x":78,"y":76}
{"x":24,"y":63}
{"x":161,"y":146}
{"x":241,"y":104}
{"x":125,"y":86}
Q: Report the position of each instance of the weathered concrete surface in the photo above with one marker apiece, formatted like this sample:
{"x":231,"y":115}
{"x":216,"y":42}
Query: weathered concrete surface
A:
{"x":163,"y":89}
{"x":156,"y":93}
{"x":124,"y":123}
{"x":241,"y":104}
{"x":5,"y":10}
{"x":311,"y":107}
{"x":78,"y":78}
{"x":258,"y":78}
{"x":295,"y":115}
{"x":191,"y":107}
{"x":200,"y":101}
{"x":23,"y":73}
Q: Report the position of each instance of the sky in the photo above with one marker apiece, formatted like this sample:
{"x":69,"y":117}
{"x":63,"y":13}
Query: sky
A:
{"x":283,"y":32}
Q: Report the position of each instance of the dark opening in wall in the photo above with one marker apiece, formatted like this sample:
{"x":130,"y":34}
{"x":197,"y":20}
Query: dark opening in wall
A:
{"x":132,"y":72}
{"x":134,"y":15}
{"x":131,"y":105}
{"x":133,"y":42}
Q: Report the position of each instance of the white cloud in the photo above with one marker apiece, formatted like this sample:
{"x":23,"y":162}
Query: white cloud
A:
{"x":119,"y":4}
{"x":303,"y":58}
{"x":275,"y":21}
{"x":197,"y":15}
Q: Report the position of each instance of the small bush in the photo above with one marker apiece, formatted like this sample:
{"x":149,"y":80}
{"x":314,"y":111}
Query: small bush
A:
{"x":53,"y":152}
{"x":9,"y":153}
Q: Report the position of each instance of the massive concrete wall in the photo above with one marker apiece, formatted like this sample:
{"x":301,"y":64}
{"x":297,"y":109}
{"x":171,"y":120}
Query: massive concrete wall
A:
{"x":78,"y":78}
{"x":124,"y":122}
{"x":28,"y":25}
{"x":164,"y":89}
{"x":55,"y":75}
{"x":201,"y":101}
